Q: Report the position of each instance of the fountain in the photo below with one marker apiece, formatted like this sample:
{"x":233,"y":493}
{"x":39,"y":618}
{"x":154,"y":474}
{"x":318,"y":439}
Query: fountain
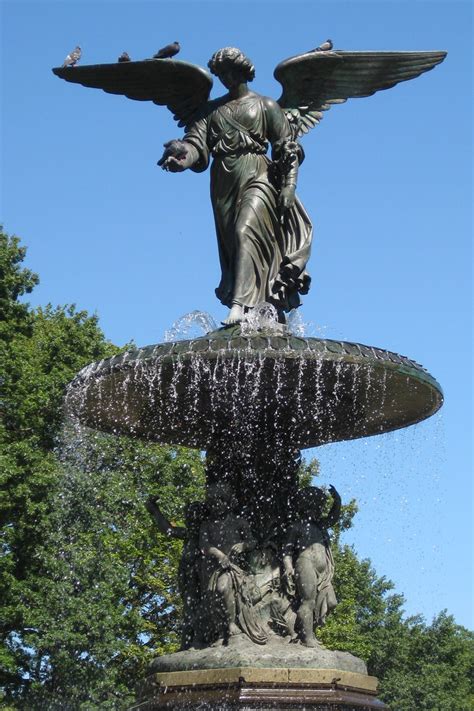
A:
{"x":257,"y":569}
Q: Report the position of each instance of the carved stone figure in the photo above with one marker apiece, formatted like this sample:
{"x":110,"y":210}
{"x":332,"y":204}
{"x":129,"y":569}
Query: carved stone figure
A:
{"x":308,"y":561}
{"x":263,"y":232}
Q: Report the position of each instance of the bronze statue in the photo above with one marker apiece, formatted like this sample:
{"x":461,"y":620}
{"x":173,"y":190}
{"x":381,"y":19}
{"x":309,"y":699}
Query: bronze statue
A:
{"x":190,"y":562}
{"x":215,"y":582}
{"x":264,"y":234}
{"x":257,"y":567}
{"x":263,"y":251}
{"x":223,"y":538}
{"x":308,"y":562}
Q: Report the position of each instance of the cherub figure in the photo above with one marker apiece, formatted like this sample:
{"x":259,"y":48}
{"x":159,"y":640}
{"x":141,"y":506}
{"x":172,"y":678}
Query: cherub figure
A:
{"x":223,"y":538}
{"x":189,"y":566}
{"x":308,"y":563}
{"x":263,"y":232}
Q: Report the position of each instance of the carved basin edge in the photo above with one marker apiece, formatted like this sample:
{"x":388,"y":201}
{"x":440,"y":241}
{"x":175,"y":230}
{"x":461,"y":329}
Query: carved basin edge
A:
{"x":260,"y":347}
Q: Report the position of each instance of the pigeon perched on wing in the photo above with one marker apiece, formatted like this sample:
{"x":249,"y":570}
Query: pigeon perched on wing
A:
{"x":73,"y":57}
{"x":169,"y":51}
{"x":324,"y":47}
{"x":124,"y":57}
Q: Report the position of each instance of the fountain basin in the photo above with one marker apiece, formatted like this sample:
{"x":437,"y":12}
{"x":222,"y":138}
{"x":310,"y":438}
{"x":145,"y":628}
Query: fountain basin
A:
{"x":309,"y":391}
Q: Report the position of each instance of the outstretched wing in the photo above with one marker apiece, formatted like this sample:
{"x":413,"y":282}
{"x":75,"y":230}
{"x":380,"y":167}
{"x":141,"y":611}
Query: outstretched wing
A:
{"x":313,"y":82}
{"x":180,"y":86}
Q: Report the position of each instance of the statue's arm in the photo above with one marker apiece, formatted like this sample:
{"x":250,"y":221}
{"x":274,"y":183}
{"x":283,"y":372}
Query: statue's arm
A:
{"x":248,"y":542}
{"x":335,"y":513}
{"x":289,"y":549}
{"x":285,"y":151}
{"x":209,"y":549}
{"x":189,"y":152}
{"x":162,"y":522}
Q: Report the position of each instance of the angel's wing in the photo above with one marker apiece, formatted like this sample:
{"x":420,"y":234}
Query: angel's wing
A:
{"x":180,"y":86}
{"x":313,"y":82}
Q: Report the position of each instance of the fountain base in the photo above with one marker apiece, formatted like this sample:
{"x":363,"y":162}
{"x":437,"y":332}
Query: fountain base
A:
{"x":240,"y":652}
{"x":253,"y":688}
{"x":242,"y":675}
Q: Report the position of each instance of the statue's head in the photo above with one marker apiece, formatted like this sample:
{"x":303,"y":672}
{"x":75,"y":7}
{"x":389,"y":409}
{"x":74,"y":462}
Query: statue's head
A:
{"x":220,"y":500}
{"x":194,"y":514}
{"x":231,"y":66}
{"x":311,"y":500}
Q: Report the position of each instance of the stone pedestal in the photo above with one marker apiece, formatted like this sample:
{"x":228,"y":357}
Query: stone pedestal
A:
{"x":253,"y":688}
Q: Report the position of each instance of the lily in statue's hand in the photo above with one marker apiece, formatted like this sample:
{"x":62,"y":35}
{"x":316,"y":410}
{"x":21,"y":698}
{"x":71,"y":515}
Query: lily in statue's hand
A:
{"x":287,"y":197}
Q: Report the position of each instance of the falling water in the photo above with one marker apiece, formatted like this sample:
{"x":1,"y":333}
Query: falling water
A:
{"x":260,"y":390}
{"x":263,"y":317}
{"x":191,"y":325}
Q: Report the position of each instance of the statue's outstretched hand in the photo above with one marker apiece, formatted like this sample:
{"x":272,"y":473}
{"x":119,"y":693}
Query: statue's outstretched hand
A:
{"x":175,"y":157}
{"x":151,"y":504}
{"x":224,"y":562}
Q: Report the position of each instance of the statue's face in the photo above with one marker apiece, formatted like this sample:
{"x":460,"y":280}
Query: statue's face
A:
{"x":312,"y":505}
{"x":193,"y":516}
{"x":218,"y":507}
{"x":229,"y":76}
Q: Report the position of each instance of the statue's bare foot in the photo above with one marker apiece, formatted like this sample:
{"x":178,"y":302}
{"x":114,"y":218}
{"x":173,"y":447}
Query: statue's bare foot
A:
{"x":311,"y":642}
{"x":234,"y":630}
{"x":236,"y":315}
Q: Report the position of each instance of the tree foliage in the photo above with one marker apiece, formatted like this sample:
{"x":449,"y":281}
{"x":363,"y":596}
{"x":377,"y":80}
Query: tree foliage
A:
{"x":88,"y":585}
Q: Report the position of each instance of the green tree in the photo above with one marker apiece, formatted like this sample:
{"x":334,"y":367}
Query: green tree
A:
{"x":108,"y":577}
{"x":428,"y":667}
{"x":419,"y":666}
{"x":87,"y":585}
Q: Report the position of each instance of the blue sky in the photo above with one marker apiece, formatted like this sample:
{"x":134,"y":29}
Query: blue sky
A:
{"x":387,"y":181}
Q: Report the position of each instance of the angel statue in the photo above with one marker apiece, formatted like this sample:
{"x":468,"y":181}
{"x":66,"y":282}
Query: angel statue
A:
{"x":263,"y":232}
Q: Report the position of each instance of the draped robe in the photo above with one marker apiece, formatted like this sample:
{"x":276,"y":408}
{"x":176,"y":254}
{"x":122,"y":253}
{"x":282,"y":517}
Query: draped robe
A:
{"x":262,"y":256}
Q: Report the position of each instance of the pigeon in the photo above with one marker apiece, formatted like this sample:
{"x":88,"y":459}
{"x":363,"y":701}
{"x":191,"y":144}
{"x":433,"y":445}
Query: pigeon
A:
{"x":124,"y":57}
{"x":73,"y":57}
{"x":167,"y":52}
{"x":324,"y":47}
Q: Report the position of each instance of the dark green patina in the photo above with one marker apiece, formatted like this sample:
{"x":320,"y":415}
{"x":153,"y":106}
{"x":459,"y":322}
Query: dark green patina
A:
{"x":257,"y":563}
{"x":377,"y":390}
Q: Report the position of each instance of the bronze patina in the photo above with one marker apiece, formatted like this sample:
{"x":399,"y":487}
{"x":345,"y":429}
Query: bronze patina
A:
{"x":256,"y":575}
{"x":263,"y":232}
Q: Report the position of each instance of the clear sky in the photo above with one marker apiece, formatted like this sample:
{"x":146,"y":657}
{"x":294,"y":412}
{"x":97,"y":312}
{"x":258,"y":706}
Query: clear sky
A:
{"x":387,"y":182}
